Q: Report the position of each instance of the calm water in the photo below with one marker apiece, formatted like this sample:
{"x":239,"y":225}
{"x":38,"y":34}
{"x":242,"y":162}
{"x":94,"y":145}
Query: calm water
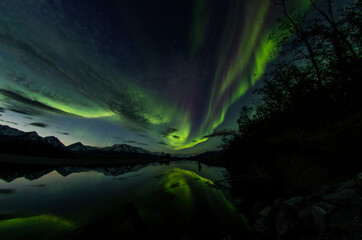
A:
{"x":175,"y":201}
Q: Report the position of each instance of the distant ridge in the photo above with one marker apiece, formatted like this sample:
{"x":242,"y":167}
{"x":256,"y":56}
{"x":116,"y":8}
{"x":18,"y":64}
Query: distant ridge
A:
{"x":79,"y":147}
{"x":14,"y":141}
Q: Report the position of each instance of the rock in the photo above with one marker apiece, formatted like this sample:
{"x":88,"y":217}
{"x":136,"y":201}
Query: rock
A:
{"x":324,"y":190}
{"x":278,"y":203}
{"x":286,"y":225}
{"x":348,"y":220}
{"x":265,"y":226}
{"x":342,"y":198}
{"x":265,"y":223}
{"x":320,"y":213}
{"x":294,"y":201}
{"x":334,"y":213}
{"x":305,"y":219}
{"x":358,"y":180}
{"x":345,"y":186}
{"x":265,"y":212}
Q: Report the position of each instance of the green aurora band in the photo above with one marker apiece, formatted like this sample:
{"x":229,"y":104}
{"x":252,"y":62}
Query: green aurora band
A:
{"x":35,"y":227}
{"x":243,"y":54}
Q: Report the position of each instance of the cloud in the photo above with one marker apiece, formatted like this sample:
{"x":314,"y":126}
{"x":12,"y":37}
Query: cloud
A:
{"x":117,"y":137}
{"x":22,"y":111}
{"x":39,"y":124}
{"x":66,"y":67}
{"x":64,"y":133}
{"x":130,"y":105}
{"x":175,"y":136}
{"x":141,"y":135}
{"x":2,"y":109}
{"x":134,"y":129}
{"x":135,"y":142}
{"x":8,"y":121}
{"x":131,"y":108}
{"x":162,"y":143}
{"x":168,"y":131}
{"x":19,"y":98}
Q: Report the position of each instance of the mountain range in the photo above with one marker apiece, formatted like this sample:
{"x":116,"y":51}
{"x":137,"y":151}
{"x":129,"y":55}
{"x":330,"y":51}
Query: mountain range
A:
{"x":14,"y":141}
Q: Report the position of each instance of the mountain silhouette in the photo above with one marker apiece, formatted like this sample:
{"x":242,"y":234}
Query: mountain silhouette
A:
{"x":14,"y":141}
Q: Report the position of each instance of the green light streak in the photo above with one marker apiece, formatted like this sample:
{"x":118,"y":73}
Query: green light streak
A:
{"x":231,"y":79}
{"x":35,"y":227}
{"x":177,"y":182}
{"x":243,"y":54}
{"x":183,"y":199}
{"x":235,"y":74}
{"x":76,"y":110}
{"x":189,"y":189}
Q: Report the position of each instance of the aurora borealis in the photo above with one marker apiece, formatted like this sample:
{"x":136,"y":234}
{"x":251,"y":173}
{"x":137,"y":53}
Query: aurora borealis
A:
{"x":157,"y":74}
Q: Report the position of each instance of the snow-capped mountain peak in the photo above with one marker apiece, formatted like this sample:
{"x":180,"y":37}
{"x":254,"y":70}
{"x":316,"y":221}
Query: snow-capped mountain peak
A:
{"x":125,"y":148}
{"x":31,"y":141}
{"x":79,"y":147}
{"x":54,"y":141}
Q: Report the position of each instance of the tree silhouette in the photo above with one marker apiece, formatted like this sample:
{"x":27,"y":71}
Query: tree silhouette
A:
{"x":310,"y":103}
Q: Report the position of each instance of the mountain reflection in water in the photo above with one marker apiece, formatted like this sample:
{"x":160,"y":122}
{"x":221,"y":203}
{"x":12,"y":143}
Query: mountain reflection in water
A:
{"x":174,"y":201}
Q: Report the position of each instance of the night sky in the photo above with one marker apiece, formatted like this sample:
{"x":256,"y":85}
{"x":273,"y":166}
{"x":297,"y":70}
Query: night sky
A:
{"x":156,"y":74}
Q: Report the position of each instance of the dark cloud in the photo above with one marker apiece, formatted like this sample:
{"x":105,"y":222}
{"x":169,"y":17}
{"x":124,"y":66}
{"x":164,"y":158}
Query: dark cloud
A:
{"x":30,"y":86}
{"x":64,"y":133}
{"x":1,"y":120}
{"x":117,"y":137}
{"x":39,"y":185}
{"x":168,"y":131}
{"x":129,"y":104}
{"x":162,"y":143}
{"x":132,"y":111}
{"x":141,"y":135}
{"x":175,"y":136}
{"x":135,"y":142}
{"x":2,"y":109}
{"x":39,"y":124}
{"x":19,"y":98}
{"x":134,"y":129}
{"x":22,"y":111}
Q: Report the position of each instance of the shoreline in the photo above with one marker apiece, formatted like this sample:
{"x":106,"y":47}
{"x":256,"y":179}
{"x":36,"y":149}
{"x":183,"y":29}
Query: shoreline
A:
{"x":20,"y":160}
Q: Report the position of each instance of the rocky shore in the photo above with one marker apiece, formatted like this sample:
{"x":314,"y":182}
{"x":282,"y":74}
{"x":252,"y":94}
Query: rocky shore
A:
{"x":334,"y":212}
